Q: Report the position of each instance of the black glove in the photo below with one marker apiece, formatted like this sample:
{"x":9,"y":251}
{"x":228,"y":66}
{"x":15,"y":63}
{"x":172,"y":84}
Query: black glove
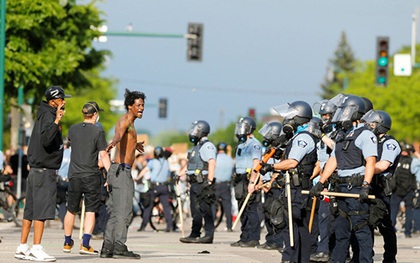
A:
{"x":316,"y":189}
{"x":278,"y":154}
{"x":265,"y":168}
{"x":208,"y":192}
{"x":364,"y":193}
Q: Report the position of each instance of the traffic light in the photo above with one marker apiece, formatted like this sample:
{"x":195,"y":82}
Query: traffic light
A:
{"x":195,"y":42}
{"x":382,"y":61}
{"x":163,"y":108}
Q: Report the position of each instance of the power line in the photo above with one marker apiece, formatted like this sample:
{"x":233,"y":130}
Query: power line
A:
{"x":194,"y":88}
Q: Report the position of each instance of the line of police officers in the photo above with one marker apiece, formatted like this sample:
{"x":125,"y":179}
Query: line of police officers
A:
{"x":346,"y":150}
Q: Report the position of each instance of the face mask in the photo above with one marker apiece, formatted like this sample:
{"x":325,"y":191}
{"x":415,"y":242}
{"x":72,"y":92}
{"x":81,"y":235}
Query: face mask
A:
{"x":241,"y":138}
{"x":288,"y":130}
{"x":266,"y":142}
{"x":97,"y":118}
{"x":347,"y":125}
{"x":193,"y":139}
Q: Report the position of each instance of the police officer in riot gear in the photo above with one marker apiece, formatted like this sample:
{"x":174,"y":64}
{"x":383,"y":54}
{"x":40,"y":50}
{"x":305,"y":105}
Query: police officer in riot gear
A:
{"x":354,"y":157}
{"x":248,"y":155}
{"x":223,"y":175}
{"x":200,"y":171}
{"x":273,"y":188}
{"x":159,"y":178}
{"x":299,"y":160}
{"x":379,"y":122}
{"x":405,"y":185}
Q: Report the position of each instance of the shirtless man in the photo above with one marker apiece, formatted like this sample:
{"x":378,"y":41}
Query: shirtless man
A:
{"x":120,"y":182}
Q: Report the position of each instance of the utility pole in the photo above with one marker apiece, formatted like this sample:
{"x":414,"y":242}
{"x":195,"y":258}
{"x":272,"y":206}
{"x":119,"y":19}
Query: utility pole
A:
{"x":413,"y":37}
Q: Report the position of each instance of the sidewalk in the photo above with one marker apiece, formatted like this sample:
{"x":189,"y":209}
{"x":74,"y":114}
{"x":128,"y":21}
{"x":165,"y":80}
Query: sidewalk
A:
{"x":160,"y":247}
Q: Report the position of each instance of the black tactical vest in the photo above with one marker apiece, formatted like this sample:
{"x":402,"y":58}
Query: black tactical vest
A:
{"x":307,"y":164}
{"x":346,"y":152}
{"x":405,"y":181}
{"x":194,"y":159}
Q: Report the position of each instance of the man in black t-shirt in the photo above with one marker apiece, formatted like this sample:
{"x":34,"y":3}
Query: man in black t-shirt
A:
{"x":87,"y":140}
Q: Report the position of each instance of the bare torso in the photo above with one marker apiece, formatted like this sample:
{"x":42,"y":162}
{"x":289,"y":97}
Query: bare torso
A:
{"x":127,"y":147}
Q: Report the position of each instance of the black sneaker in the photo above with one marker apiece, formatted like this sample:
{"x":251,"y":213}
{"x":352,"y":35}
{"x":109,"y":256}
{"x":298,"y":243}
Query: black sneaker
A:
{"x":251,"y":243}
{"x":189,"y":239}
{"x":126,"y":254}
{"x":106,"y":253}
{"x":236,"y":244}
{"x":320,"y":257}
{"x":205,"y":240}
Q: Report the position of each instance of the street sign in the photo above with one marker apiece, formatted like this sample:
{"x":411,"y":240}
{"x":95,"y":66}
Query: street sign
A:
{"x":402,"y":65}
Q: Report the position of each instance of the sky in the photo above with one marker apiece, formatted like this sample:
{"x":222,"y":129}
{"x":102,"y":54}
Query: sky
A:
{"x":256,"y":53}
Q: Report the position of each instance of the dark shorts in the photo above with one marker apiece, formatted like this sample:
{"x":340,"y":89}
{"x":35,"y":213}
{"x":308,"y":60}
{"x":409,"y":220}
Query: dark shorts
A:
{"x":41,"y":192}
{"x":90,"y":186}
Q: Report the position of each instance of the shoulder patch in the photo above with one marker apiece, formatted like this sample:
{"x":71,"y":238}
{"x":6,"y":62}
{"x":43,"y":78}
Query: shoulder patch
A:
{"x":391,"y":146}
{"x":211,"y":147}
{"x":373,"y":139}
{"x":302,"y":143}
{"x":257,"y":147}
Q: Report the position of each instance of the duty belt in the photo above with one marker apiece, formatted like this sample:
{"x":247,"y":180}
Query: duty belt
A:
{"x":354,"y":180}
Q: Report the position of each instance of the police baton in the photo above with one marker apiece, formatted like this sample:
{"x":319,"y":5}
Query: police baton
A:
{"x":311,"y":217}
{"x":245,"y":203}
{"x":338,"y":194}
{"x":289,"y":210}
{"x":178,"y":200}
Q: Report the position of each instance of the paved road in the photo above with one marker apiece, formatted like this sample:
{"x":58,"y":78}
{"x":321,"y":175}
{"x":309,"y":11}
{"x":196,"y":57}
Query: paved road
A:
{"x":159,"y":247}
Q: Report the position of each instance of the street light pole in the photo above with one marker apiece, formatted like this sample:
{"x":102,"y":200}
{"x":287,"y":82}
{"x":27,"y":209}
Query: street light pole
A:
{"x":2,"y":47}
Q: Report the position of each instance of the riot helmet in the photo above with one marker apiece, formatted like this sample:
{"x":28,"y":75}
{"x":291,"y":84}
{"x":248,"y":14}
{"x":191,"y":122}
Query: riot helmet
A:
{"x":198,"y":130}
{"x":325,"y":109}
{"x":368,"y":104}
{"x":270,"y":132}
{"x":244,"y":127}
{"x":407,"y":147}
{"x":351,"y":108}
{"x":377,"y":121}
{"x":221,"y":146}
{"x":158,"y":152}
{"x":295,"y":114}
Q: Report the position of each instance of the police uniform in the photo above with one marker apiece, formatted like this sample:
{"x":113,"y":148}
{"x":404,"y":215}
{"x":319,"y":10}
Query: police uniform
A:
{"x":159,"y":175}
{"x":301,"y":148}
{"x":388,"y":150}
{"x":350,"y":153}
{"x":197,"y":171}
{"x":251,"y":218}
{"x":407,"y":168}
{"x":325,"y":219}
{"x":223,"y":175}
{"x":274,"y":239}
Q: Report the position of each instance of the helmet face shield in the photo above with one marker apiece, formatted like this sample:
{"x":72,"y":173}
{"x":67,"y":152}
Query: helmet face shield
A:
{"x":194,"y":130}
{"x":345,"y":114}
{"x":266,"y":130}
{"x":242,"y":128}
{"x":286,"y":110}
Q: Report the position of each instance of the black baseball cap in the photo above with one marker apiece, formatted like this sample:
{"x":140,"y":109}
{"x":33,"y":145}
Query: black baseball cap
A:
{"x":56,"y":92}
{"x":91,"y":107}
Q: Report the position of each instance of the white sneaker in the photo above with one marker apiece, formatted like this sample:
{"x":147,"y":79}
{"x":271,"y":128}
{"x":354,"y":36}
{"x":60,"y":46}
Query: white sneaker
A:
{"x":37,"y":253}
{"x":22,"y":251}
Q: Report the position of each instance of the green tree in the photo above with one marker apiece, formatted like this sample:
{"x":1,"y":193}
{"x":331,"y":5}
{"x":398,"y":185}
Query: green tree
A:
{"x":399,"y":99}
{"x":339,"y":69}
{"x":51,"y":44}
